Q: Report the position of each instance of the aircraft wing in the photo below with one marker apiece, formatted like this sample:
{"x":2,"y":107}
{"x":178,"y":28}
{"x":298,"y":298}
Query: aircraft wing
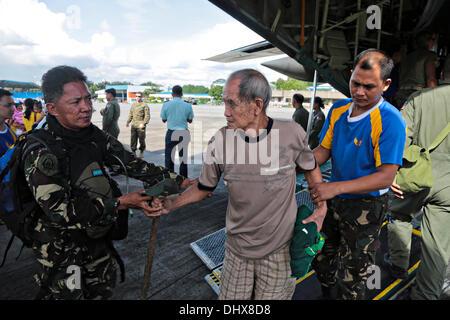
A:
{"x":256,"y":50}
{"x":326,"y":35}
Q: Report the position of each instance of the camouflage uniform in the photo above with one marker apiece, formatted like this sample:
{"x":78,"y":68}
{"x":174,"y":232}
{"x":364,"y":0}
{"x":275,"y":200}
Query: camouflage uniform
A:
{"x":110,"y":118}
{"x":351,"y":229}
{"x":79,"y":209}
{"x":139,"y":115}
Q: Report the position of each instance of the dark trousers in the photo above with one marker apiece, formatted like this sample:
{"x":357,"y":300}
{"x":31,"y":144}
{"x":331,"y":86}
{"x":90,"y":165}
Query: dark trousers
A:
{"x":351,"y":229}
{"x":182,"y":139}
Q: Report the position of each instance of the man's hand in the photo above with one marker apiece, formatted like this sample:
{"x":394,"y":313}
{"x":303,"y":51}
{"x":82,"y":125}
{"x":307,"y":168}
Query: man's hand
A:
{"x":135,"y":200}
{"x":187,"y":183}
{"x":128,"y":124}
{"x":322,"y":191}
{"x":397,"y":190}
{"x":317,"y":216}
{"x":102,"y":112}
{"x":164,"y":205}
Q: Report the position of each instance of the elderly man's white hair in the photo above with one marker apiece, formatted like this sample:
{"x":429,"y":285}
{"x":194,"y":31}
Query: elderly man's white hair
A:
{"x":253,"y":85}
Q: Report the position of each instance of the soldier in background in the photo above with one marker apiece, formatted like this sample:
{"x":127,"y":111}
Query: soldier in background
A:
{"x":317,"y":121}
{"x":426,"y":114}
{"x":82,"y":209}
{"x":300,"y":115}
{"x":139,"y":117}
{"x":418,"y":68}
{"x":111,"y":114}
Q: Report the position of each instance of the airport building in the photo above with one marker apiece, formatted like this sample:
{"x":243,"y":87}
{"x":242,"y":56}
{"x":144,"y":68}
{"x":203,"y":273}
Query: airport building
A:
{"x":125,"y":92}
{"x":282,"y":98}
{"x":17,"y":89}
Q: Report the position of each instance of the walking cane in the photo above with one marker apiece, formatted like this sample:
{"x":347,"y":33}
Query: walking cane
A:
{"x":149,"y":260}
{"x":166,"y":189}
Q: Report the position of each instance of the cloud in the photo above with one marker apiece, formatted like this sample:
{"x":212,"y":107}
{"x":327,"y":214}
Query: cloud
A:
{"x":106,"y":54}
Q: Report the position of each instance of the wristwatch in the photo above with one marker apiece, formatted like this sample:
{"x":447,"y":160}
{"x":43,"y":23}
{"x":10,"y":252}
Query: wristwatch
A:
{"x":117,"y":204}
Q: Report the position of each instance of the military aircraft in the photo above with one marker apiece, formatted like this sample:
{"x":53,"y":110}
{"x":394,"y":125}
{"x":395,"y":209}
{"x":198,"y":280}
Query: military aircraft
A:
{"x":326,"y":35}
{"x":320,"y":39}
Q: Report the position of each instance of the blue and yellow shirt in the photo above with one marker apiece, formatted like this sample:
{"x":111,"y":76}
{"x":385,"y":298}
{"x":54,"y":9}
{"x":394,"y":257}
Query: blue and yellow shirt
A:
{"x":361,"y":144}
{"x":7,"y":139}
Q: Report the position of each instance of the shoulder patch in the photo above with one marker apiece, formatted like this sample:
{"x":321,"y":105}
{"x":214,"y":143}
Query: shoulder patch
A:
{"x":47,"y":163}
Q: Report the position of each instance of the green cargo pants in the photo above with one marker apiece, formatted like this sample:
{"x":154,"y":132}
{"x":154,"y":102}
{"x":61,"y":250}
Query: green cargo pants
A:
{"x":137,"y":133}
{"x":435,"y":244}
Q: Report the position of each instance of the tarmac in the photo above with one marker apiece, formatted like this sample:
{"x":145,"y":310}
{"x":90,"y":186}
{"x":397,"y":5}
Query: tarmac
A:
{"x":178,"y":273}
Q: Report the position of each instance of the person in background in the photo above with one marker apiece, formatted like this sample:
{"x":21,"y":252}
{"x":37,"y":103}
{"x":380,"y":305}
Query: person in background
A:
{"x":111,"y":114}
{"x":426,"y":114}
{"x":418,"y":68}
{"x":16,"y":122}
{"x":318,"y":119}
{"x":139,"y":117}
{"x":300,"y":115}
{"x":7,"y":136}
{"x":32,"y":114}
{"x":177,"y":114}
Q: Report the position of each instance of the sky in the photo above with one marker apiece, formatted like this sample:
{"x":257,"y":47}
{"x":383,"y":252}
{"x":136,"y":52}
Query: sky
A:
{"x":163,"y":41}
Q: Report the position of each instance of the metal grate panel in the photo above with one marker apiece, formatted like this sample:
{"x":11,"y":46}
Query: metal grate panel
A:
{"x":211,"y":248}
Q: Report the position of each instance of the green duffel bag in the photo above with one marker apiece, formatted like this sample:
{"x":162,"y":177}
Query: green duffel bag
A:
{"x":415,"y":173}
{"x":305,"y":244}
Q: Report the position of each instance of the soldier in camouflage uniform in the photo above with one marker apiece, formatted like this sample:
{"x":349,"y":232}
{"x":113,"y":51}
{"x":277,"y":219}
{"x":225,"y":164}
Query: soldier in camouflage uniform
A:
{"x":139,"y":117}
{"x":364,"y":136}
{"x":82,"y":208}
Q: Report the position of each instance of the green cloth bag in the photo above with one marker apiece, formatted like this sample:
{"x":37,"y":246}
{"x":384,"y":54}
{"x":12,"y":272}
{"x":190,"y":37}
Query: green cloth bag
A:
{"x":305,"y":243}
{"x":415,"y":173}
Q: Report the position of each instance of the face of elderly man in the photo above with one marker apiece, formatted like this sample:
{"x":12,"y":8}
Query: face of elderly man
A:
{"x":239,"y":113}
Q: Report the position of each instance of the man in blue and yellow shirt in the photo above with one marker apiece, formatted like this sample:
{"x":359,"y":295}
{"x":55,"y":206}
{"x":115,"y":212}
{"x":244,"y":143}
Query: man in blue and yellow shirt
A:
{"x":364,"y":136}
{"x":7,"y":136}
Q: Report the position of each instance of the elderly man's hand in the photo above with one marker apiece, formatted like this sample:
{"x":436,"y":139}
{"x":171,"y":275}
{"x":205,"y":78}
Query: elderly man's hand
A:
{"x":317,"y":216}
{"x":135,"y":200}
{"x":187,"y":183}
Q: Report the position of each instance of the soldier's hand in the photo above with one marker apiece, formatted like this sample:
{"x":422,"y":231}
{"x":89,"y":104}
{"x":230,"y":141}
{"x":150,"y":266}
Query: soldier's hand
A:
{"x":397,"y":190}
{"x":128,"y":124}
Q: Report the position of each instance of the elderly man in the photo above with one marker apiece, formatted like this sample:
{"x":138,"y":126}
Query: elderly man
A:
{"x":81,"y":207}
{"x":262,"y":209}
{"x":364,"y":136}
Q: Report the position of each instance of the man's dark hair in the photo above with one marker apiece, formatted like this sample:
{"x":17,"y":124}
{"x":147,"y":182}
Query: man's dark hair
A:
{"x":177,"y":91}
{"x":112,"y":91}
{"x":253,"y":85}
{"x":298,"y":98}
{"x":53,"y":81}
{"x":4,"y":92}
{"x":369,"y":56}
